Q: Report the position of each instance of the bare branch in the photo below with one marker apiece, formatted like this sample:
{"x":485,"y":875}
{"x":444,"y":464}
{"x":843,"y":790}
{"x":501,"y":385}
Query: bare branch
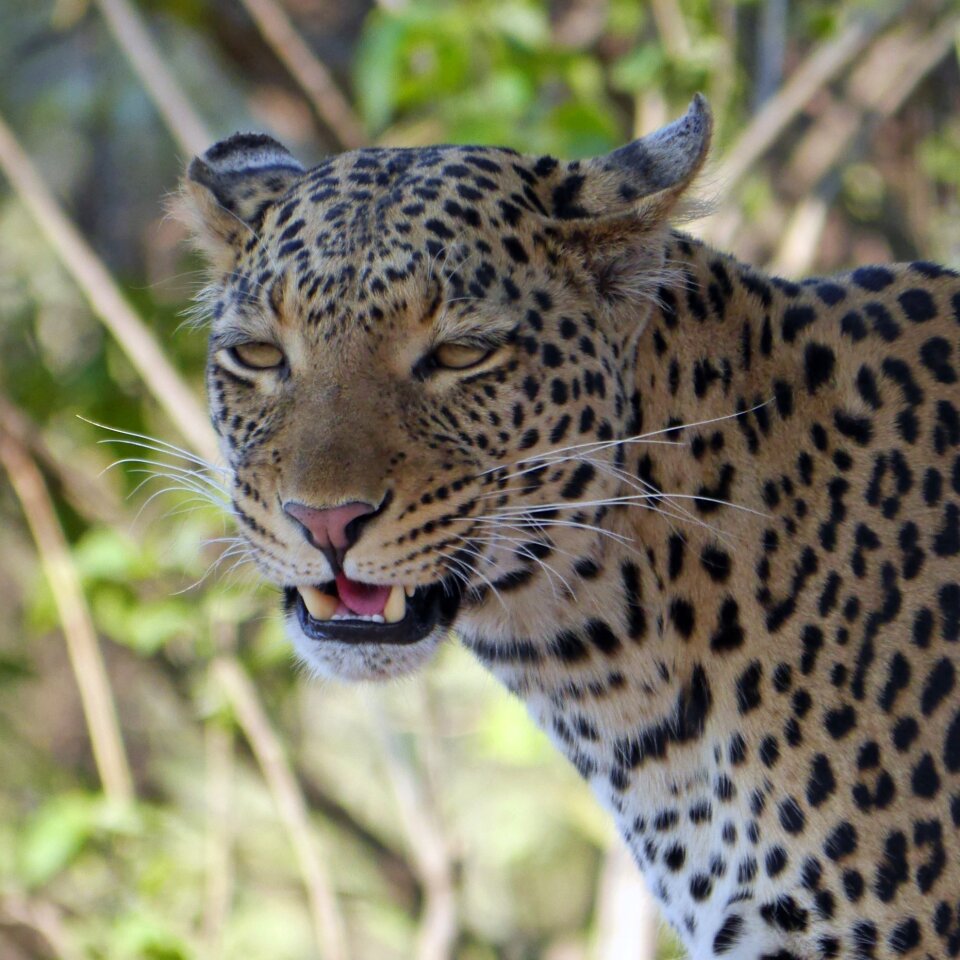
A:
{"x":324,"y":910}
{"x":306,"y":68}
{"x":41,"y":916}
{"x":148,"y":64}
{"x":95,"y":500}
{"x":83,"y":649}
{"x":426,"y":841}
{"x":876,"y":90}
{"x":105,"y":297}
{"x":825,"y":63}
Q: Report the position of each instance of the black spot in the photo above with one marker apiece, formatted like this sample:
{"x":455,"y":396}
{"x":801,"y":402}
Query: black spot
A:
{"x":939,"y":685}
{"x":841,"y":842}
{"x":769,"y":751}
{"x":925,"y":781}
{"x":700,"y":886}
{"x":636,"y":615}
{"x":676,"y":547}
{"x":728,"y":634}
{"x":577,"y":483}
{"x":872,"y":278}
{"x":716,"y":562}
{"x":819,"y":361}
{"x":918,"y":305}
{"x":796,"y":319}
{"x":682,"y":615}
{"x":821,"y":783}
{"x":905,"y":936}
{"x":830,"y":293}
{"x":935,"y":356}
{"x":515,"y":249}
{"x":858,"y":429}
{"x":728,"y":936}
{"x":791,"y":816}
{"x":748,"y":687}
{"x":785,"y":913}
{"x":893,"y":869}
{"x":951,"y":745}
{"x":775,"y":861}
{"x":602,"y":637}
{"x":840,"y":721}
{"x":568,"y":646}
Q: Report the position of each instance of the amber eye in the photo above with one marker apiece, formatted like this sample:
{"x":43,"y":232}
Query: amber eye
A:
{"x":257,"y":356}
{"x":459,"y":356}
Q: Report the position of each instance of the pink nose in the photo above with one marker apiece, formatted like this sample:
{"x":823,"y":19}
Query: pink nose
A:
{"x":329,"y":527}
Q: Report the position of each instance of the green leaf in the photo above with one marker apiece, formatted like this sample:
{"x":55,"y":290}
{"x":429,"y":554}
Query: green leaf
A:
{"x":54,"y":837}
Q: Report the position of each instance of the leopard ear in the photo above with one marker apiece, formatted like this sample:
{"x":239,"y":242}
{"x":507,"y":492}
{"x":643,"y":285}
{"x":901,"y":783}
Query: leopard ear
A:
{"x":652,"y":172}
{"x":612,"y":211}
{"x":226,"y":192}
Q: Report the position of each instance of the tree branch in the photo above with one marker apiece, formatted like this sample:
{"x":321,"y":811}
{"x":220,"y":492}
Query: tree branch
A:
{"x":96,"y":697}
{"x":306,"y":68}
{"x":148,"y":64}
{"x":105,"y":297}
{"x":324,"y":910}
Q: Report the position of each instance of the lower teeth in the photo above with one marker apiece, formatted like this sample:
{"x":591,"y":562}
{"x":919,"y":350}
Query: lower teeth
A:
{"x":374,"y":618}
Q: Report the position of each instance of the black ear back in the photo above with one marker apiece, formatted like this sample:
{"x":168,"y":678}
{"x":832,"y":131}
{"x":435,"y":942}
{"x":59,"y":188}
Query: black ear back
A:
{"x":227,"y":190}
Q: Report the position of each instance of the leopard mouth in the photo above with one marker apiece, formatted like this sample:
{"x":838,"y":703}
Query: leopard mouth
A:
{"x":351,"y":612}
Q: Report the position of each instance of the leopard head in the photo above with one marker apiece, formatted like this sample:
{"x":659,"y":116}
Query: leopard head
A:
{"x":404,"y":344}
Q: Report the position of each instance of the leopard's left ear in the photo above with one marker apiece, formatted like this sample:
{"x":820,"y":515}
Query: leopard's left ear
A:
{"x":650,"y":173}
{"x":613,"y":210}
{"x":226,"y":192}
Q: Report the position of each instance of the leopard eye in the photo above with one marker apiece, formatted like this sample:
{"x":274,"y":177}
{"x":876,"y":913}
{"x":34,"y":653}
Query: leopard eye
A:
{"x":459,"y":356}
{"x":257,"y":356}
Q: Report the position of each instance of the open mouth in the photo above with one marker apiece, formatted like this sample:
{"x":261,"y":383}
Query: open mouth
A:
{"x":353,"y":612}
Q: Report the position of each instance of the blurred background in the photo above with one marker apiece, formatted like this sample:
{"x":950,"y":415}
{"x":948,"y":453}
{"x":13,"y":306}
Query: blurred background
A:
{"x":170,"y":786}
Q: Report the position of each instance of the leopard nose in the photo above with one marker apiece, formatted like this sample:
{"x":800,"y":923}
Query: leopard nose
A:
{"x":332,"y":526}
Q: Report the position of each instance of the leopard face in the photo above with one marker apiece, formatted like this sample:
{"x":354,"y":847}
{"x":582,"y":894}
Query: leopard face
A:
{"x":401,"y":342}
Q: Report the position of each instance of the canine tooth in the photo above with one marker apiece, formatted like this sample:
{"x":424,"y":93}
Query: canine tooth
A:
{"x":319,"y":605}
{"x":409,"y":591}
{"x":396,"y":607}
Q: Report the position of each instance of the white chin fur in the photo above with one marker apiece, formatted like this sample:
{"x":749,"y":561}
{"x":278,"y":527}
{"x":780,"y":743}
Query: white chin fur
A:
{"x":348,"y":662}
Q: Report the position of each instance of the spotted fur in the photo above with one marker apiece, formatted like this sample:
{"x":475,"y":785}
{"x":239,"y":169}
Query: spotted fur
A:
{"x":704,"y":521}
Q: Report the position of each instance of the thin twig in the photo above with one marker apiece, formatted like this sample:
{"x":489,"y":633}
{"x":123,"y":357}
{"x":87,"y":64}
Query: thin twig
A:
{"x":105,"y":297}
{"x":825,"y":63}
{"x":876,"y":90}
{"x":133,"y":38}
{"x":427,"y":843}
{"x":324,"y":910}
{"x":221,"y":824}
{"x":306,"y":68}
{"x":96,"y":697}
{"x":41,"y":916}
{"x":94,"y":500}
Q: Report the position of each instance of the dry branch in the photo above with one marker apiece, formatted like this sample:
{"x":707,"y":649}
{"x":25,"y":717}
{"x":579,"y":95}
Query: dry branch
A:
{"x":876,"y":90}
{"x":83,"y":649}
{"x":148,"y":64}
{"x":823,"y":65}
{"x":106,"y":298}
{"x":324,"y":910}
{"x":306,"y":68}
{"x":41,"y":916}
{"x":426,"y":841}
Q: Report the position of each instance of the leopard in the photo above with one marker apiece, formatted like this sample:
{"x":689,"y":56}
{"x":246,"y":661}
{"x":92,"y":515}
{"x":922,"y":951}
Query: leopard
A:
{"x":702,"y":520}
